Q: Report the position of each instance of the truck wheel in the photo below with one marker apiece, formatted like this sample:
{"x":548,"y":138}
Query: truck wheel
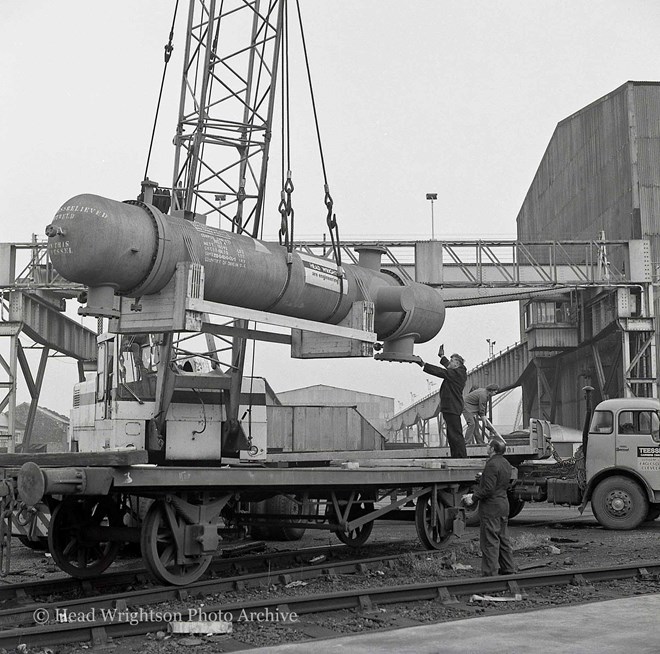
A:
{"x":619,"y":503}
{"x":288,"y":532}
{"x":472,"y":515}
{"x":280,"y":504}
{"x":654,"y":512}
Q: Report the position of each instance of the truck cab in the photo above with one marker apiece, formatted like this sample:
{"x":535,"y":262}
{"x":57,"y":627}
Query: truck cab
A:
{"x":618,"y":471}
{"x":625,"y":433}
{"x":623,"y":461}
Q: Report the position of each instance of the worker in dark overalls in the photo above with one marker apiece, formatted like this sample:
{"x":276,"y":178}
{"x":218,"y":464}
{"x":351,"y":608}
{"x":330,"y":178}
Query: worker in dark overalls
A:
{"x":496,"y":552}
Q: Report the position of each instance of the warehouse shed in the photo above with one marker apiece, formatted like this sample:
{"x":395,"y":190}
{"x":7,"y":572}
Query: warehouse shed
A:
{"x":377,"y":409}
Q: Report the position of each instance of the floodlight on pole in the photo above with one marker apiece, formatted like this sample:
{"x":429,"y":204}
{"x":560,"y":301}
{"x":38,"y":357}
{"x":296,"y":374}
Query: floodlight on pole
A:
{"x":491,"y":347}
{"x":432,"y":197}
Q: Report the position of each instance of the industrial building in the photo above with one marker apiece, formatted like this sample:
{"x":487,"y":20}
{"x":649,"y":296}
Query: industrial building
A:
{"x":598,"y":180}
{"x":49,"y":431}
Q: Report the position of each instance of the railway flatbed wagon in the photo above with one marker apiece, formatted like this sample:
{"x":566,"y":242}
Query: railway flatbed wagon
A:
{"x":182,"y":515}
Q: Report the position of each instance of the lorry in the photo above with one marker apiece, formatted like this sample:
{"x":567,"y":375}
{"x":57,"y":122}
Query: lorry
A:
{"x":617,"y":467}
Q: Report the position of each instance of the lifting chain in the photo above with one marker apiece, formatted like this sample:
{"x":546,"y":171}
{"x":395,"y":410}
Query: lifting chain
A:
{"x":285,"y":234}
{"x":286,"y":211}
{"x":331,"y":221}
{"x":333,"y":229}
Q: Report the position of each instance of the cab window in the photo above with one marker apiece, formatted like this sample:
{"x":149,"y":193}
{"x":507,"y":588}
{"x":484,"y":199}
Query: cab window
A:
{"x":137,"y":379}
{"x":602,"y":422}
{"x":640,"y":422}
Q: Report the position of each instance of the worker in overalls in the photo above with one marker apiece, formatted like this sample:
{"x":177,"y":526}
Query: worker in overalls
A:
{"x":496,"y":551}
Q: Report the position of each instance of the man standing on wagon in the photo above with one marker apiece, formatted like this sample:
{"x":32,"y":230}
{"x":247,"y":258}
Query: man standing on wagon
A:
{"x":476,"y":405}
{"x":454,"y":375}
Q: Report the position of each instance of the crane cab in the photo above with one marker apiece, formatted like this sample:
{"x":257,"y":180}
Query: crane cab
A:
{"x":116,"y":408}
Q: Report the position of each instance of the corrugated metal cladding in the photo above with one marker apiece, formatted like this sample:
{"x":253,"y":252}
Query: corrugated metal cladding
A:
{"x":647,"y":119}
{"x":584,"y":182}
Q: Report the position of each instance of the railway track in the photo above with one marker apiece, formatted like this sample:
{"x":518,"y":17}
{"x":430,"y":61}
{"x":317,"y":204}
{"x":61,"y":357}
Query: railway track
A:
{"x":139,"y":576}
{"x":24,"y":613}
{"x":118,"y":615}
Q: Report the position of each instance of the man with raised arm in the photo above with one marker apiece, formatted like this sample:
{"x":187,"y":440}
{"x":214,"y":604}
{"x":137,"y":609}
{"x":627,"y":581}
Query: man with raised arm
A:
{"x":454,"y":375}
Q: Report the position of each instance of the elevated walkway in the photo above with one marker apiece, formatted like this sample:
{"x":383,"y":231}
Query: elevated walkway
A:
{"x":507,"y":370}
{"x":32,"y":301}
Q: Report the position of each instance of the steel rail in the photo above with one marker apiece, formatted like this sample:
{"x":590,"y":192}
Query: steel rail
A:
{"x":24,"y":592}
{"x":444,"y":590}
{"x":24,"y":613}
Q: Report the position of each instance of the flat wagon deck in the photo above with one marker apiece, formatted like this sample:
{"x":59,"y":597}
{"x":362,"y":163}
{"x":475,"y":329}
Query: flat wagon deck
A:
{"x":192,"y":510}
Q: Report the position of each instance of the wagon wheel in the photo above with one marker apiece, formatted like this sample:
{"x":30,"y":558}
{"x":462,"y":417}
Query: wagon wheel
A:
{"x":433,"y":536}
{"x":359,"y":536}
{"x":516,"y":505}
{"x":159,"y":549}
{"x":73,"y":539}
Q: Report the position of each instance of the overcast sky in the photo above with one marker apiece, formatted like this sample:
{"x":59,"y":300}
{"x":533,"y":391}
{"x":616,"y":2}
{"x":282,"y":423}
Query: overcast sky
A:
{"x":458,"y":98}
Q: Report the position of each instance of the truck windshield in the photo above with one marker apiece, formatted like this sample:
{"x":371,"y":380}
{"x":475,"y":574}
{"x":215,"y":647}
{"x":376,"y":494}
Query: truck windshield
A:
{"x":602,"y":422}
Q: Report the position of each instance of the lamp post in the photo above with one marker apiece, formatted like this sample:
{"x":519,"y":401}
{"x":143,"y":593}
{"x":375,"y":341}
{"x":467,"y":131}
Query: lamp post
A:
{"x":432,"y":197}
{"x":491,"y":347}
{"x":220,"y":198}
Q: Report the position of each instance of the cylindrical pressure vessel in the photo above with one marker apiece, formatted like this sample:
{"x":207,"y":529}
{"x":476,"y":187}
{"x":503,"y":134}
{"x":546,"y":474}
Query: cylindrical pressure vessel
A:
{"x":133,"y":249}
